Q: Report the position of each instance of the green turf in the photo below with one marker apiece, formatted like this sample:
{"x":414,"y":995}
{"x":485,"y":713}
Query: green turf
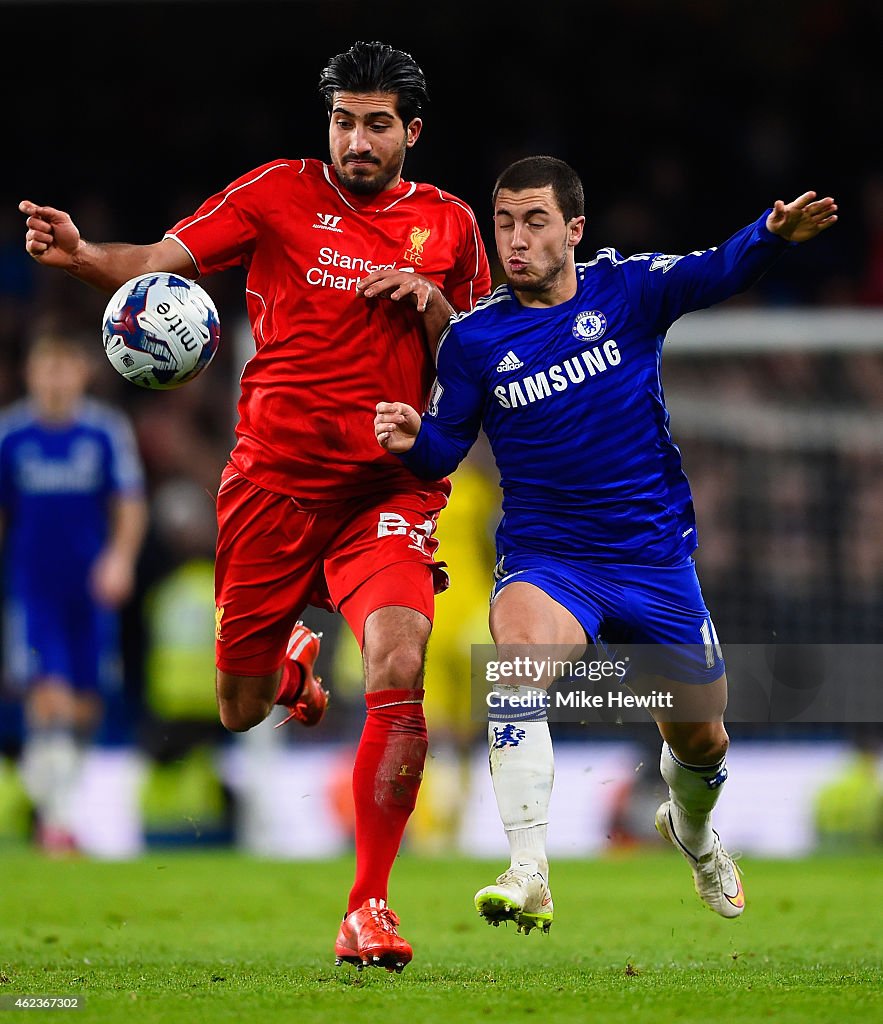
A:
{"x":221,"y":937}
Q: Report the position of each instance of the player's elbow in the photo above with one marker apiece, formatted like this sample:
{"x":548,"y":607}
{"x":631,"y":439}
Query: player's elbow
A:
{"x":169,"y":256}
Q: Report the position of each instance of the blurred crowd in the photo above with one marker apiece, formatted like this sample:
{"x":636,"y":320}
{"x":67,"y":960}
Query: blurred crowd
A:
{"x":685,"y":120}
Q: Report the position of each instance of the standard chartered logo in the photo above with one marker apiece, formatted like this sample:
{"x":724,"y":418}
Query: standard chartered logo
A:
{"x":341,"y":271}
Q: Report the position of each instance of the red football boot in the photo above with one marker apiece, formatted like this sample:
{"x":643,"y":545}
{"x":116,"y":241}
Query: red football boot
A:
{"x":56,"y":842}
{"x":368,"y":938}
{"x":312,"y":699}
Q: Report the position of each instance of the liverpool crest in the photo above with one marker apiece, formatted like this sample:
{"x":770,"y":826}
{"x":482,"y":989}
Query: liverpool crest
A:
{"x":418,"y":240}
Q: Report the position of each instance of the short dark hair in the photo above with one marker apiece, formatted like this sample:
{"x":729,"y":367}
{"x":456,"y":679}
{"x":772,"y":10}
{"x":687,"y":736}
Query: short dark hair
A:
{"x":539,"y":171}
{"x":376,"y":67}
{"x":51,"y":340}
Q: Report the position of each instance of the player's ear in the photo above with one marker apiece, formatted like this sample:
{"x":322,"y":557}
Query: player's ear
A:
{"x":575,"y":231}
{"x":412,"y":131}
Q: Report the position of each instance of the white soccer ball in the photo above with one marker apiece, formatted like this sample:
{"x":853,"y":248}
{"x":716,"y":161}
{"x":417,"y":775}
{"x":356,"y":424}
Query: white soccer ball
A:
{"x":160,"y":330}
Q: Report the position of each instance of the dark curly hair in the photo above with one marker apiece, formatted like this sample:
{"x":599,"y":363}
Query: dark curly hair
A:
{"x":376,"y":67}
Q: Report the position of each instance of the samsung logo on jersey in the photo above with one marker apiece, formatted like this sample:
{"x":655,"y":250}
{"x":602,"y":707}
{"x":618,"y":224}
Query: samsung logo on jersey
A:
{"x":78,"y":473}
{"x":558,"y":377}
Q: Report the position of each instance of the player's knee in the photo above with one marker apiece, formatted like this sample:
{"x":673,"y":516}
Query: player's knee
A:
{"x":51,"y":702}
{"x":705,"y":743}
{"x":395,"y":668}
{"x":243,"y":703}
{"x":238,"y":719}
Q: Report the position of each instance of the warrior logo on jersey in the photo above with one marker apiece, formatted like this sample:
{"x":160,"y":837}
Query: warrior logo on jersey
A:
{"x":664,"y":263}
{"x":418,"y":240}
{"x":328,"y":222}
{"x":589,"y":325}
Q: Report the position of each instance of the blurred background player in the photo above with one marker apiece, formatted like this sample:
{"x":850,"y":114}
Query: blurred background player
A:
{"x":561,"y":367}
{"x":345,"y":262}
{"x":74,"y":518}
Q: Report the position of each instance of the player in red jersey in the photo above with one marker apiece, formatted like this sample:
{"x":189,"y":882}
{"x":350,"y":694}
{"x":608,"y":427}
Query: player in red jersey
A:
{"x":352,"y":271}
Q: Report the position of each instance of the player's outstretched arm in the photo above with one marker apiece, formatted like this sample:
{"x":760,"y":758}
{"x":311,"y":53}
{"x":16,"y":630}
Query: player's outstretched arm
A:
{"x":802,"y":219}
{"x":53,"y":240}
{"x":396,"y":426}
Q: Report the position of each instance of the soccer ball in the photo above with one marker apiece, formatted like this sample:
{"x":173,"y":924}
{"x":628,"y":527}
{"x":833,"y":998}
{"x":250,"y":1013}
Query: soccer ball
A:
{"x":160,"y":330}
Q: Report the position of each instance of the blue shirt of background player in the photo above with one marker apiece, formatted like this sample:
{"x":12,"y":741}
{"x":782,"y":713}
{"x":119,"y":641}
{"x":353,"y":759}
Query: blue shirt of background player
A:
{"x":56,"y":485}
{"x":58,"y":481}
{"x":571,"y":400}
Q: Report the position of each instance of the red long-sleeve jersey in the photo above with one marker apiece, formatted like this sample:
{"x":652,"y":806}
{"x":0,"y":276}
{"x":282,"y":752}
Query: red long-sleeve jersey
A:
{"x":325,"y":356}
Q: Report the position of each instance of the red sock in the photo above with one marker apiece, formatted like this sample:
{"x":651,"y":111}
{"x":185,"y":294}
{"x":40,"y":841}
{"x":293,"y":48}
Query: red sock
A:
{"x":290,"y":684}
{"x":386,"y":776}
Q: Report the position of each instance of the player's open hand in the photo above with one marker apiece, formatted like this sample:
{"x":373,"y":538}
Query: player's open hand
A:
{"x":52,"y":237}
{"x":802,"y":219}
{"x":398,"y":285}
{"x":396,"y":426}
{"x":425,"y":296}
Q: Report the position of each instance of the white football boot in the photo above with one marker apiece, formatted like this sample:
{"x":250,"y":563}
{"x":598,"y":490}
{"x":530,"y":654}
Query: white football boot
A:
{"x":521,"y":894}
{"x":715,"y":874}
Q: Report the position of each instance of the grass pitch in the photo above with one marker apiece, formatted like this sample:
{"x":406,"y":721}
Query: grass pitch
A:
{"x":195,"y":937}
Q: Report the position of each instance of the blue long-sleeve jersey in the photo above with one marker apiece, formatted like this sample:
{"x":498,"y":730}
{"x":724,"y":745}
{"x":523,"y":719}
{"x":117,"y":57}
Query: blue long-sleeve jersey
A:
{"x":571,"y":400}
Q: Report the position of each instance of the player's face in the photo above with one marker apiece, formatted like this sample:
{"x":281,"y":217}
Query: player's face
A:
{"x":535,"y":244}
{"x":368,"y":141}
{"x":56,"y":381}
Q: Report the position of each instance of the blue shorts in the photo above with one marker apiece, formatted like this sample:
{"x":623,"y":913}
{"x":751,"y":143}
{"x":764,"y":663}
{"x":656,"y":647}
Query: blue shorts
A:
{"x":67,"y":636}
{"x":658,"y":612}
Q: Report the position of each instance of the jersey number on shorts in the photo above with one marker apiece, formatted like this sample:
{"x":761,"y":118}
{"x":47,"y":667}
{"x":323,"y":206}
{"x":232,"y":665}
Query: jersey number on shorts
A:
{"x":391,"y":524}
{"x":713,"y":650}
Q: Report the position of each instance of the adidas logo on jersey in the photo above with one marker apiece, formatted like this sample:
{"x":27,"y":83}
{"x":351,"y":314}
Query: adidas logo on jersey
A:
{"x":509,"y":362}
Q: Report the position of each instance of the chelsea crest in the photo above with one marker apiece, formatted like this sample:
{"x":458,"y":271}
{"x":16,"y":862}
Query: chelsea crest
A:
{"x":589,"y":325}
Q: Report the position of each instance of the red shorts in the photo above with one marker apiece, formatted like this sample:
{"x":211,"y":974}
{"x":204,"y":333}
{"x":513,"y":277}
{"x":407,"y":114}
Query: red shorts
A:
{"x":276,"y":555}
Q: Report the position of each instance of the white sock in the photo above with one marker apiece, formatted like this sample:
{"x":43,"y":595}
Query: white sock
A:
{"x":50,"y":770}
{"x":522,"y":769}
{"x":694,"y":790}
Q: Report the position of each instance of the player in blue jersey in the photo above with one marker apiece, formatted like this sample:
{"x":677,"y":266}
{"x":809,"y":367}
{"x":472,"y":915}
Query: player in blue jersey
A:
{"x":561,"y":368}
{"x":73,"y":518}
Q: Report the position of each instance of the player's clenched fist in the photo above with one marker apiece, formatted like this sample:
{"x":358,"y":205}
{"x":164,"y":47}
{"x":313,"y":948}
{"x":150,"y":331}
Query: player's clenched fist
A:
{"x":52,"y":236}
{"x":396,"y":426}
